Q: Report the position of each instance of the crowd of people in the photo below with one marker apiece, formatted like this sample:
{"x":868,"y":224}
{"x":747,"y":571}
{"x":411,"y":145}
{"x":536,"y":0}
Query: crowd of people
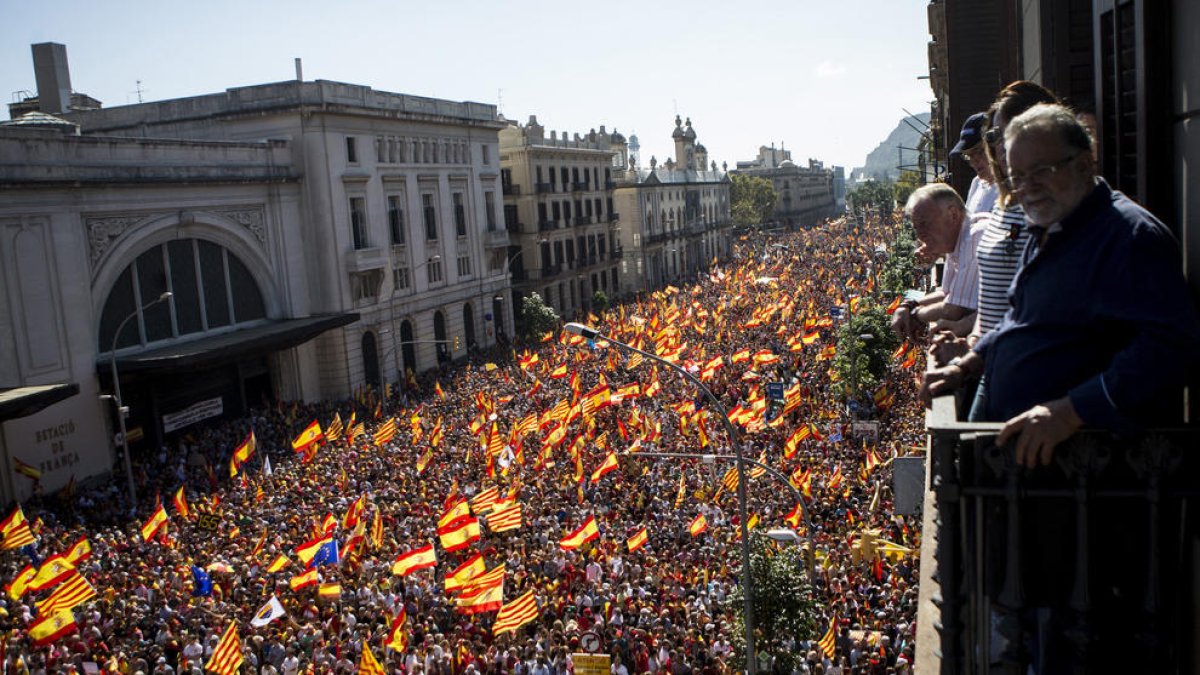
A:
{"x":662,"y":608}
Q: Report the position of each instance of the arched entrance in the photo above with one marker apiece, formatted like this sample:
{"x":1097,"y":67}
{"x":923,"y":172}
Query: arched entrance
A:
{"x":469,"y":327}
{"x":439,"y":334}
{"x":370,"y":358}
{"x":498,"y":319}
{"x":407,"y":348}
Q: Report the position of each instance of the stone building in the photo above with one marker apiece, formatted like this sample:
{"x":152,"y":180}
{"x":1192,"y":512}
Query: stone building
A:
{"x":677,"y":216}
{"x":558,"y":202}
{"x":807,"y":194}
{"x":316,"y":237}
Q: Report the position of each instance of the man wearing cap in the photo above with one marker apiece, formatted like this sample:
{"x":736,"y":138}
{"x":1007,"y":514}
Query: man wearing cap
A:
{"x":982,"y":194}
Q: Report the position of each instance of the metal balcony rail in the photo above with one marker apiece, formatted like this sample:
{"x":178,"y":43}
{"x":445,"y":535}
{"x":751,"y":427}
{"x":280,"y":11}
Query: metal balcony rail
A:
{"x":1102,"y":543}
{"x":544,"y":225}
{"x":512,"y":190}
{"x":543,"y":187}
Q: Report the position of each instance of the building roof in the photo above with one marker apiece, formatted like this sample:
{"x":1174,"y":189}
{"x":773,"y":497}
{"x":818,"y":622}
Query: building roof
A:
{"x":662,"y":176}
{"x":41,"y":120}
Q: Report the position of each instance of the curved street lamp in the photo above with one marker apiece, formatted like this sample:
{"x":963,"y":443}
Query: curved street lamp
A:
{"x":122,"y":411}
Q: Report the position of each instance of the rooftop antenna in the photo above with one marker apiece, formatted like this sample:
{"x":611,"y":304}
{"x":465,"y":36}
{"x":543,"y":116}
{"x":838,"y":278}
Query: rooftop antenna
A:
{"x":139,"y":91}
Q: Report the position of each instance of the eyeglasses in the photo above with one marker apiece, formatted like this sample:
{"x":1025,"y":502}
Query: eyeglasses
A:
{"x":994,"y":135}
{"x":1017,"y":179}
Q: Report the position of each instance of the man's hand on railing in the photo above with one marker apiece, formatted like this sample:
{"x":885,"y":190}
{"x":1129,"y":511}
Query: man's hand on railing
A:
{"x":941,"y":381}
{"x":1039,"y":430}
{"x":946,"y":346}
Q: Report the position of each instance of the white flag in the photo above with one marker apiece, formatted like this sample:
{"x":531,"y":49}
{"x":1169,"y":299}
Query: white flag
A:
{"x":269,"y":612}
{"x":267,"y":465}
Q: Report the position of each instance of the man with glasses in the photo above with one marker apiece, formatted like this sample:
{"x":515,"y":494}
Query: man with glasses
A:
{"x":1101,"y":330}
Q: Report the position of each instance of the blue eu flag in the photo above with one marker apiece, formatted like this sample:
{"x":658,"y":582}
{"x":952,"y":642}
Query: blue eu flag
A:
{"x":202,"y":587}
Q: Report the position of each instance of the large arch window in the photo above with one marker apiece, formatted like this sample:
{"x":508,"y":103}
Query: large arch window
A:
{"x":211,"y":291}
{"x":370,"y":358}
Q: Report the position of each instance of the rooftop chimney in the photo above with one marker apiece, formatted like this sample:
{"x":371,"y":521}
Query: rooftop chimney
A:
{"x":53,"y":77}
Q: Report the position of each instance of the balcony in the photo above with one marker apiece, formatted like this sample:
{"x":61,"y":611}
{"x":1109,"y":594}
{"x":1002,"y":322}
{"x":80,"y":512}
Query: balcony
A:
{"x":543,"y":188}
{"x":613,"y":217}
{"x":514,"y":226}
{"x":364,"y":259}
{"x":544,"y":225}
{"x":495,"y":238}
{"x":579,"y":186}
{"x":551,"y":271}
{"x":1105,"y":534}
{"x":610,"y":185}
{"x":512,"y":190}
{"x":583,"y":220}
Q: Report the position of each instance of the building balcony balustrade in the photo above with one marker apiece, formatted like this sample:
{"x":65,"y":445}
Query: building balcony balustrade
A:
{"x":544,"y":225}
{"x":514,"y":226}
{"x":543,"y":188}
{"x":496,"y":238}
{"x":613,"y":216}
{"x":1107,"y":513}
{"x":364,"y":259}
{"x":583,"y":220}
{"x":551,"y":271}
{"x":512,"y":190}
{"x":610,"y":185}
{"x":579,"y":186}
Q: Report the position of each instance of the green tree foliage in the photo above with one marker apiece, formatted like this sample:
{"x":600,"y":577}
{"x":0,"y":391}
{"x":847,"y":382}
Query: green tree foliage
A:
{"x":599,"y":301}
{"x":752,"y":199}
{"x":537,"y":318}
{"x":899,"y":271}
{"x":784,"y":605}
{"x":861,"y":361}
{"x":909,"y":181}
{"x":872,"y":195}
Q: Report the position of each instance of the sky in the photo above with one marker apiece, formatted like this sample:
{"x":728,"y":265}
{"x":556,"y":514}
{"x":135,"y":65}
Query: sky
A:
{"x":825,"y":80}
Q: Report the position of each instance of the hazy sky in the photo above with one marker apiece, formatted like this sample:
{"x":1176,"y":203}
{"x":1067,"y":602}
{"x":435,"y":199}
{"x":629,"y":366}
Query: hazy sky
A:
{"x":828,"y":80}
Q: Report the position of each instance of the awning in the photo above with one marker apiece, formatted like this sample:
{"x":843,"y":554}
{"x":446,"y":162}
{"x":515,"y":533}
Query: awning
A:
{"x":25,"y":401}
{"x":226,"y":347}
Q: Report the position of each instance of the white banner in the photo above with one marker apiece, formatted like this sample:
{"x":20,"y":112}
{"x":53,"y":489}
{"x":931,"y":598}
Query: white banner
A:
{"x":200,"y":410}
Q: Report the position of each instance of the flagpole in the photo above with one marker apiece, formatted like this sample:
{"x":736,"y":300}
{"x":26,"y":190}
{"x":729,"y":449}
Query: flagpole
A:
{"x":736,"y":440}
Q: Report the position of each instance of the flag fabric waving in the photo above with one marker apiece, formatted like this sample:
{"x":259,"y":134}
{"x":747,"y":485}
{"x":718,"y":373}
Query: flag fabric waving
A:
{"x":417,"y":559}
{"x":367,"y":664}
{"x":269,"y":612}
{"x":586,"y":532}
{"x":51,"y":627}
{"x":460,"y":535}
{"x":515,"y":614}
{"x":698,"y":526}
{"x":181,"y":505}
{"x":638,"y":540}
{"x":505,"y":518}
{"x":15,"y":531}
{"x":156,"y":521}
{"x":74,"y":591}
{"x":227,"y":657}
{"x":828,"y":641}
{"x":311,"y":434}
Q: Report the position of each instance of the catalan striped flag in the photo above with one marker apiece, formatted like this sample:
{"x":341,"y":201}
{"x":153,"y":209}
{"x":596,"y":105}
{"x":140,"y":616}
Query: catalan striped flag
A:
{"x":74,"y":591}
{"x":15,"y":531}
{"x":335,"y":429}
{"x":386,"y":432}
{"x":515,"y":614}
{"x":505,"y":518}
{"x":227,"y":658}
{"x":368,"y":664}
{"x":828,"y":641}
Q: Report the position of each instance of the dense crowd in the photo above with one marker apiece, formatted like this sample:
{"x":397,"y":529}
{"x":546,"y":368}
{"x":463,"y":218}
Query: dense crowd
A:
{"x":662,"y":608}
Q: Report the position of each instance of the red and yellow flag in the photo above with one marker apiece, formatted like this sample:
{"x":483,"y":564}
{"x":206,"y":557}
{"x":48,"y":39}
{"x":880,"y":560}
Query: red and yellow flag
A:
{"x":515,"y":614}
{"x":156,"y":521}
{"x":227,"y":658}
{"x":638,"y":540}
{"x":416,"y":559}
{"x":698,"y":526}
{"x":311,"y":434}
{"x":586,"y":532}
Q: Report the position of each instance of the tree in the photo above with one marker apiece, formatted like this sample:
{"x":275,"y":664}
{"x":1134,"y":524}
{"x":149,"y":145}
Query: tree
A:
{"x":599,"y":301}
{"x":537,"y":318}
{"x":872,"y":195}
{"x":908,"y":181}
{"x":784,"y":606}
{"x":861,"y":363}
{"x":752,"y":199}
{"x":899,"y":271}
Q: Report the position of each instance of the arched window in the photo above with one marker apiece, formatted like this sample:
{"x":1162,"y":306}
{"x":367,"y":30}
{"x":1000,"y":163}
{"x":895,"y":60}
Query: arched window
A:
{"x":211,"y":291}
{"x":469,"y":337}
{"x":370,"y":357}
{"x":439,"y":334}
{"x":407,"y":348}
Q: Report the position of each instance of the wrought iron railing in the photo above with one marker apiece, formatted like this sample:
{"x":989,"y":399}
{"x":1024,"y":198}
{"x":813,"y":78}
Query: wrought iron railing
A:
{"x":1105,"y":535}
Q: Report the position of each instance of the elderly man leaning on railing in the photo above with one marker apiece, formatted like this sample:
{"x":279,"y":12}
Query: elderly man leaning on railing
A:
{"x":1101,"y":333}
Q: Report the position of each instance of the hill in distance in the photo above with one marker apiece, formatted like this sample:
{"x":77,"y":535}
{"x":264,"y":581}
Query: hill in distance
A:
{"x":882,"y":162}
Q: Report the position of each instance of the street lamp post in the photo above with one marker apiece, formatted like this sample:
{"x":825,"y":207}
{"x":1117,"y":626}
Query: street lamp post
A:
{"x":735,"y":440}
{"x":122,"y":411}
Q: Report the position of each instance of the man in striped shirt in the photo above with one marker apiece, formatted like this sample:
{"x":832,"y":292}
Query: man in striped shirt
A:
{"x":942,"y":224}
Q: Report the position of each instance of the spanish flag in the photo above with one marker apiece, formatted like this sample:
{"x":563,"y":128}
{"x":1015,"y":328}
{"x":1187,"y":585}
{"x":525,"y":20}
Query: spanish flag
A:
{"x":51,"y":627}
{"x":698,"y":526}
{"x":416,"y":559}
{"x":473,"y":567}
{"x":27,"y":470}
{"x":181,"y":505}
{"x":330,"y":590}
{"x":155,"y":523}
{"x":78,"y":552}
{"x":459,"y":535}
{"x":243,"y":451}
{"x":396,"y":639}
{"x":638,"y":540}
{"x":20,"y":583}
{"x":515,"y":614}
{"x":309,"y":578}
{"x":311,"y":434}
{"x":586,"y":532}
{"x":479,"y":600}
{"x":281,"y":561}
{"x":608,"y":466}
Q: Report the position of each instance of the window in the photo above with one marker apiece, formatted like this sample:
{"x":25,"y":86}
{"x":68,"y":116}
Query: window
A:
{"x":433,"y":271}
{"x":557,"y":209}
{"x":396,"y":219}
{"x":364,"y":286}
{"x":538,"y":171}
{"x":464,"y":265}
{"x":351,"y":151}
{"x":489,"y":207}
{"x":358,"y":222}
{"x":487,"y":154}
{"x":460,"y":215}
{"x":400,"y":279}
{"x":566,"y":177}
{"x":430,"y":212}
